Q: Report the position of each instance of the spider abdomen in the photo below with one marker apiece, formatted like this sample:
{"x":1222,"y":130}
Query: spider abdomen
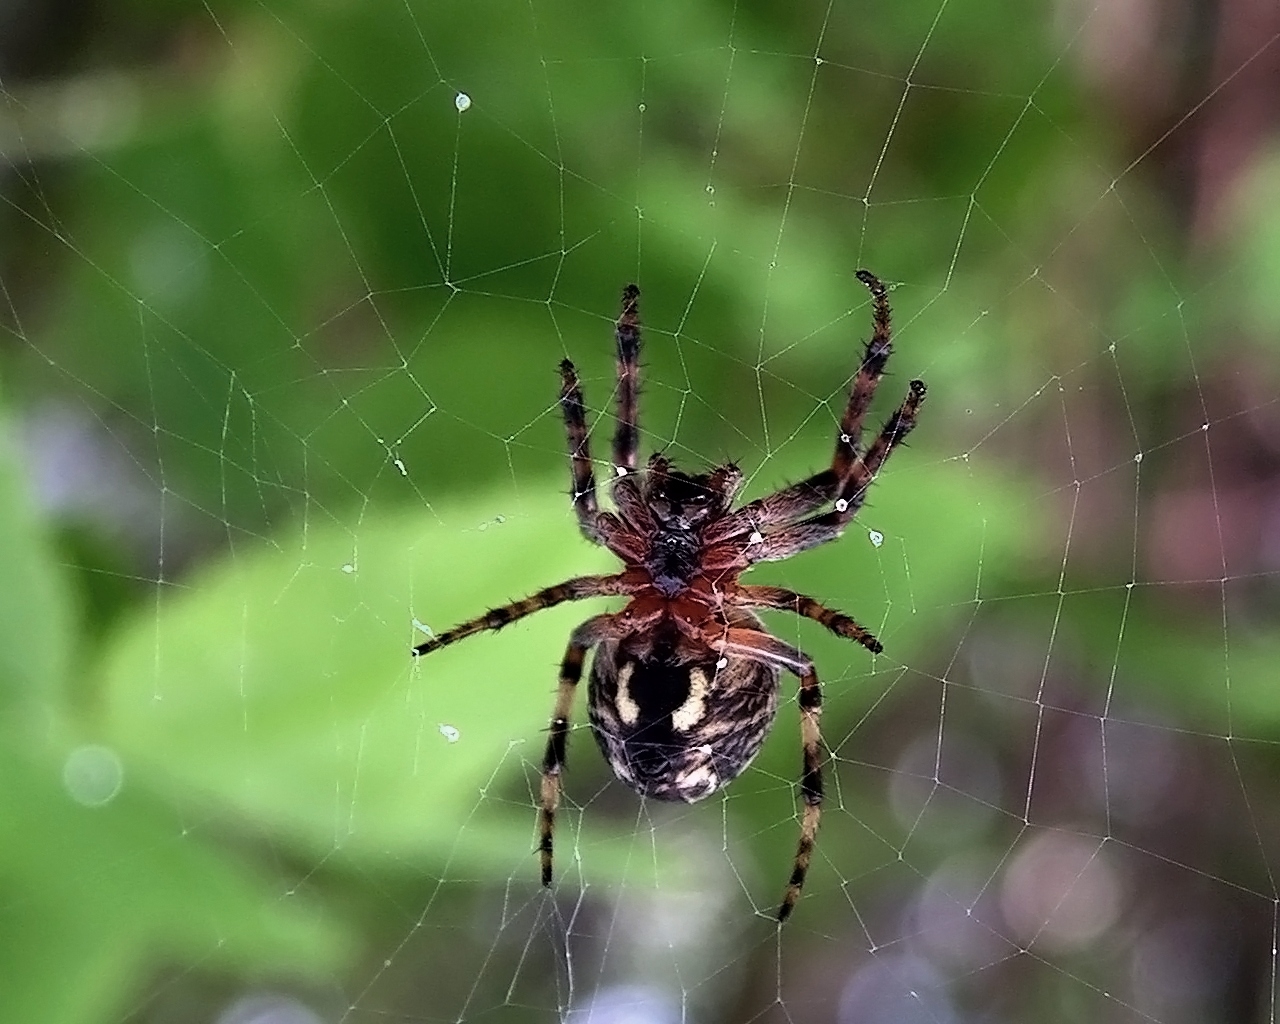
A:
{"x":679,"y":730}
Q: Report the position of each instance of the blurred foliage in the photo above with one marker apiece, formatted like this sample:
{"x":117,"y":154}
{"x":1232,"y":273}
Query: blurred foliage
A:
{"x":311,"y":312}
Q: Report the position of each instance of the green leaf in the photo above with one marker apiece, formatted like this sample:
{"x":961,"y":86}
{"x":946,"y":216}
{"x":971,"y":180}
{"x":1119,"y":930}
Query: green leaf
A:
{"x":35,"y":632}
{"x":96,"y":896}
{"x":280,"y":685}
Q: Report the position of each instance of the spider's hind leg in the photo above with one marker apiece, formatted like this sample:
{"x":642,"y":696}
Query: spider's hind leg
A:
{"x":761,"y":646}
{"x":582,"y":639}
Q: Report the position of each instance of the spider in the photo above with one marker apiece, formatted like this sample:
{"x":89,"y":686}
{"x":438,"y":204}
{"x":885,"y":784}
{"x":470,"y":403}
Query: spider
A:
{"x":685,"y":679}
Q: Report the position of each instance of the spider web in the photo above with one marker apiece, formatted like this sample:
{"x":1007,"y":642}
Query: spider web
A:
{"x":284,"y":300}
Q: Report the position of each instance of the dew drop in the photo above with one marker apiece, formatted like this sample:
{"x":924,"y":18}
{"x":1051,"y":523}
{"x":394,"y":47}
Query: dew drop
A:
{"x":722,"y":663}
{"x":755,"y":538}
{"x":876,"y":537}
{"x":92,"y":774}
{"x":449,"y":733}
{"x":462,"y":101}
{"x":841,"y":505}
{"x":348,"y":568}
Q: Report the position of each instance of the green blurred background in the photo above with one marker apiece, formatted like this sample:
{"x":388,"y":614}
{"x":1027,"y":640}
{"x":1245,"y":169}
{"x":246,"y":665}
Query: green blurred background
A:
{"x":283,"y":287}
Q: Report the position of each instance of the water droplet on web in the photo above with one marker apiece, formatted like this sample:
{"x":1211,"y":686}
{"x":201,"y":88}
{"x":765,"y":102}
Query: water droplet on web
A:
{"x":400,"y":466}
{"x":876,"y":537}
{"x":722,"y":663}
{"x":348,"y":568}
{"x":449,"y":733}
{"x":92,"y":774}
{"x":462,"y":101}
{"x":641,"y":108}
{"x":755,"y":538}
{"x":845,"y":438}
{"x":841,"y":505}
{"x":620,"y":470}
{"x":1138,"y":457}
{"x":422,"y":627}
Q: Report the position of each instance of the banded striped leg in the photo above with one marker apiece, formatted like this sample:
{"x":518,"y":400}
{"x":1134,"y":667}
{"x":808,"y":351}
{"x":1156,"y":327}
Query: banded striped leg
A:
{"x":866,"y":379}
{"x":789,"y":600}
{"x":807,"y":496}
{"x":570,"y":590}
{"x":808,"y":533}
{"x":810,"y":699}
{"x":853,"y":490}
{"x":626,"y":439}
{"x":751,"y":643}
{"x":581,"y":640}
{"x":582,"y":473}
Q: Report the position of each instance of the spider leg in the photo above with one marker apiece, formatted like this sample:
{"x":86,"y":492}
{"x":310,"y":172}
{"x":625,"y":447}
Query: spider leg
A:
{"x":631,"y":506}
{"x":570,"y":590}
{"x":807,"y":496}
{"x":626,"y":439}
{"x":586,"y":636}
{"x":777,"y":509}
{"x":582,"y":474}
{"x":865,"y":380}
{"x":819,"y":529}
{"x":761,"y":646}
{"x":779,"y":597}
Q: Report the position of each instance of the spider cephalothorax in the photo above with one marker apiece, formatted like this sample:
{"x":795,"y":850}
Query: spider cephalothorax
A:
{"x":685,"y":679}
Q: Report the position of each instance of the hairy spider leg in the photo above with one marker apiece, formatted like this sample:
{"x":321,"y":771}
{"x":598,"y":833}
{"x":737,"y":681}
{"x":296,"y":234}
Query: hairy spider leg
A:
{"x":582,"y":473}
{"x":760,"y":646}
{"x":570,"y":590}
{"x":750,"y":596}
{"x":626,"y":439}
{"x":865,"y":381}
{"x":808,"y":533}
{"x":581,"y":640}
{"x":807,"y":496}
{"x":854,"y":488}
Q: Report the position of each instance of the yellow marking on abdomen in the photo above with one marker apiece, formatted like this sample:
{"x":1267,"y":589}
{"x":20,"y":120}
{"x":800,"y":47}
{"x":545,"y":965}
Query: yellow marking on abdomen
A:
{"x":628,"y":709}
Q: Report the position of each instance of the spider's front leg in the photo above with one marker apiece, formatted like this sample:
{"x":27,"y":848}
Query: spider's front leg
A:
{"x":581,"y":473}
{"x":586,"y":636}
{"x":808,"y":496}
{"x":808,"y":533}
{"x":626,"y":439}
